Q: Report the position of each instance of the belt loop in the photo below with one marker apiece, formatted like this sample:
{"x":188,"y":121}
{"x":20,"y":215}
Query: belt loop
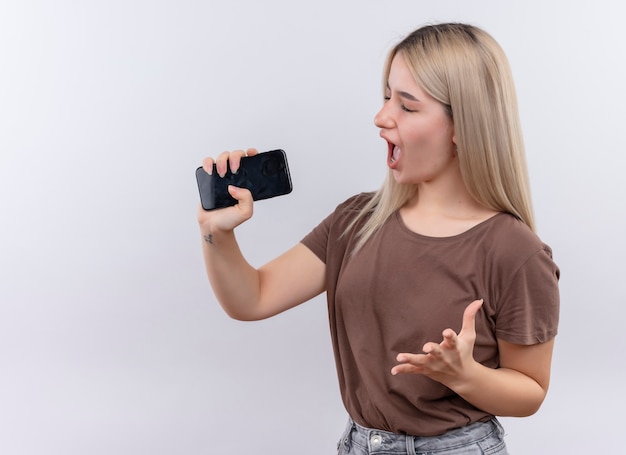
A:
{"x":410,"y":444}
{"x":346,"y":438}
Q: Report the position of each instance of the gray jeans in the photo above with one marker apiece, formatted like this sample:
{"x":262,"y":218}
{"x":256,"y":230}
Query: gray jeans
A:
{"x":477,"y":438}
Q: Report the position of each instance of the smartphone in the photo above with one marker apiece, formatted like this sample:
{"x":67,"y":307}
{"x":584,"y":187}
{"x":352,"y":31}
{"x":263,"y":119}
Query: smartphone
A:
{"x":266,"y":175}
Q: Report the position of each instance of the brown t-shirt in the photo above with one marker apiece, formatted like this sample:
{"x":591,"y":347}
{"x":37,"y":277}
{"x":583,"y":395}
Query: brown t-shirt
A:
{"x":403,"y":289}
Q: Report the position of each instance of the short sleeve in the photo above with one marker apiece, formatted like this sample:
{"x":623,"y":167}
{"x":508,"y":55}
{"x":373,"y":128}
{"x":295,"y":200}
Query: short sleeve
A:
{"x":528,"y":312}
{"x":330,"y":232}
{"x":317,"y":239}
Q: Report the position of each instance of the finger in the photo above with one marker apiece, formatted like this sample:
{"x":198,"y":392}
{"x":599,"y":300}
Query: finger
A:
{"x":409,"y":363}
{"x":234,"y":160}
{"x":403,"y":357}
{"x":252,"y":152}
{"x":469,"y":317}
{"x":406,"y":368}
{"x":449,"y":339}
{"x":431,"y":348}
{"x":207,"y":165}
{"x":221,"y":163}
{"x":408,"y":358}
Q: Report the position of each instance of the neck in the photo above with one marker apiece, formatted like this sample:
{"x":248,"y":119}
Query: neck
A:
{"x":441,"y":209}
{"x":446,"y":195}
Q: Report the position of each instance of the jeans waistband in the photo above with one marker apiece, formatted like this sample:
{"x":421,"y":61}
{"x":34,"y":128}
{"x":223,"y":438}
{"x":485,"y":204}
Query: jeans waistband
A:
{"x":388,"y":442}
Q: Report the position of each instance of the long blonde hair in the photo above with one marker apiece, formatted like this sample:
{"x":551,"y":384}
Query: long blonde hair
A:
{"x":465,"y":69}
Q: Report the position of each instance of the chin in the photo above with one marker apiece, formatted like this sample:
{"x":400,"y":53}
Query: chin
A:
{"x":400,"y":178}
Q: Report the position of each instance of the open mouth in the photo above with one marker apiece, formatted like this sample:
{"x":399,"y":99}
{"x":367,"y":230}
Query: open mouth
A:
{"x":393,"y":153}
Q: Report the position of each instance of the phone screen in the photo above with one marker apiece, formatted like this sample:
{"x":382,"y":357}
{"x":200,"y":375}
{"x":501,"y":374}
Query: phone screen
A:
{"x":266,"y":175}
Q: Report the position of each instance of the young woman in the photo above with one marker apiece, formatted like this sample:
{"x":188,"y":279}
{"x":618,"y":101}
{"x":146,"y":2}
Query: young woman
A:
{"x":443,"y":302}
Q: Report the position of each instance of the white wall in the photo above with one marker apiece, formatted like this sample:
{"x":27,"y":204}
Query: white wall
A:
{"x":110,"y":338}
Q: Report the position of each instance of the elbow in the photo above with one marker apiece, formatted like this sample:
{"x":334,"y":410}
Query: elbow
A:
{"x":242,"y":317}
{"x":530,"y":406}
{"x":527,"y":411}
{"x":535,"y":406}
{"x":245,"y":318}
{"x":246,"y":315}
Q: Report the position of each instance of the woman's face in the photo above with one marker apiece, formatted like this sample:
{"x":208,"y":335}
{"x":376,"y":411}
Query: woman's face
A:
{"x":419,"y":133}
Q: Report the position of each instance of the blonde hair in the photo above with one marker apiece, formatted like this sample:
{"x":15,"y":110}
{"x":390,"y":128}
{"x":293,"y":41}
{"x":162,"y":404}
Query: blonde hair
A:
{"x":465,"y":69}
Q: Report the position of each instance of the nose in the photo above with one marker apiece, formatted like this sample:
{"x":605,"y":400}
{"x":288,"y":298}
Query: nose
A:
{"x":383,"y":119}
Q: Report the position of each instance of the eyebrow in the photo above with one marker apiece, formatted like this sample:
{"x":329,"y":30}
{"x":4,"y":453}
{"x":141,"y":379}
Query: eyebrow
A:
{"x":408,"y":96}
{"x":405,"y":95}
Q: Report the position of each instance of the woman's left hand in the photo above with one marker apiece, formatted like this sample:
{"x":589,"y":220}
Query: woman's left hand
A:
{"x":448,"y":361}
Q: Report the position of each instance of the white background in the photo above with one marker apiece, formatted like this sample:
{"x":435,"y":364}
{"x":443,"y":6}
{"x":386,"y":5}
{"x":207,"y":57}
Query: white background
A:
{"x":111,"y":341}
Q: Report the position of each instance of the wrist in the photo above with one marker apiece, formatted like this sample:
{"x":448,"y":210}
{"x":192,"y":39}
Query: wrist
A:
{"x":468,"y":379}
{"x":212,"y":233}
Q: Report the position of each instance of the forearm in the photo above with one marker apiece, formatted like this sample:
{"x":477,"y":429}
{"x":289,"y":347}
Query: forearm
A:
{"x":502,"y":391}
{"x":234,"y":281}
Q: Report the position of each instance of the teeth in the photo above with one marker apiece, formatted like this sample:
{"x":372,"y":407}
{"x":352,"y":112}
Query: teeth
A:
{"x":395,"y":154}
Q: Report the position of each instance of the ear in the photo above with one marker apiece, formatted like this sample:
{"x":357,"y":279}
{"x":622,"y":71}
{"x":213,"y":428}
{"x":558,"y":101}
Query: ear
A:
{"x":456,"y":148}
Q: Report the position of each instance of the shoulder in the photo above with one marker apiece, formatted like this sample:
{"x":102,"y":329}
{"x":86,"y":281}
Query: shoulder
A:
{"x":348,"y":210}
{"x":330,"y":231}
{"x":509,"y":232}
{"x":514,"y":243}
{"x":354,"y":203}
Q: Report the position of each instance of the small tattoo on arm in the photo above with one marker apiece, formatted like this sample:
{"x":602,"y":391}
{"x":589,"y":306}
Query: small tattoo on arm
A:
{"x":208,"y":238}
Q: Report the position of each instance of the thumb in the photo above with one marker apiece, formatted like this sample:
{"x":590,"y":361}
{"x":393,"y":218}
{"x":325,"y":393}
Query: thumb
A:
{"x":469,"y":316}
{"x":244,"y":199}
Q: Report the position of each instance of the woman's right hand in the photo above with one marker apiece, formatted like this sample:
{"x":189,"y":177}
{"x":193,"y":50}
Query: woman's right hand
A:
{"x":228,"y":218}
{"x":245,"y":292}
